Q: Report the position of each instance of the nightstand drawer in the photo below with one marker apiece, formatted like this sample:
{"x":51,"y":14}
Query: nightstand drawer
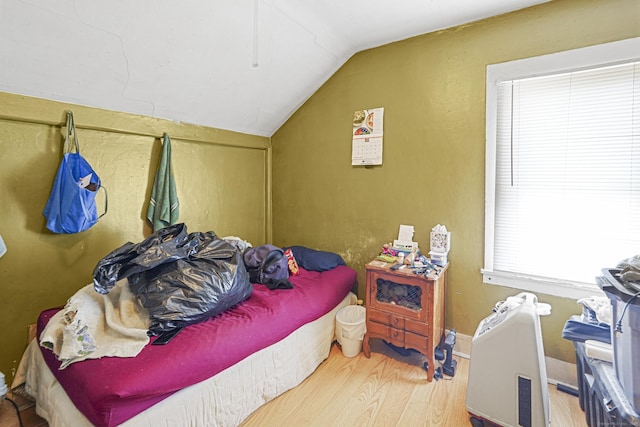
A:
{"x":421,"y":328}
{"x":386,"y":318}
{"x":375,"y":328}
{"x":415,"y":341}
{"x":379,"y":316}
{"x":387,"y":333}
{"x":397,"y":337}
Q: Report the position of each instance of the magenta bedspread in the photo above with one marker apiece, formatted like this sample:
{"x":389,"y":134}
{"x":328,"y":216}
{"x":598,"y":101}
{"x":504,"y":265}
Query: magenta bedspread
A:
{"x":111,"y":390}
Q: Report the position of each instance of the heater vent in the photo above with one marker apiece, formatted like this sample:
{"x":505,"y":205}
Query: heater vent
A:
{"x":524,"y":401}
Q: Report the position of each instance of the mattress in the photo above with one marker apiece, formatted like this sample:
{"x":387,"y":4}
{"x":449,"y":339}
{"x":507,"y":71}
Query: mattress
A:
{"x":221,"y":369}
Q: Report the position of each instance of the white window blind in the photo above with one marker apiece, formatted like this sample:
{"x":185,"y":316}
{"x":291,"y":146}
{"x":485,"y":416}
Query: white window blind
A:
{"x":567,"y":173}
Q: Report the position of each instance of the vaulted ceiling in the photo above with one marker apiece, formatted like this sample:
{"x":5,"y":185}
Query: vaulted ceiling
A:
{"x":241,"y":65}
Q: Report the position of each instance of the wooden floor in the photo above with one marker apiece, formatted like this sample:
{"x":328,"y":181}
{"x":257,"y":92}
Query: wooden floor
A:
{"x":9,"y":417}
{"x":385,"y":390}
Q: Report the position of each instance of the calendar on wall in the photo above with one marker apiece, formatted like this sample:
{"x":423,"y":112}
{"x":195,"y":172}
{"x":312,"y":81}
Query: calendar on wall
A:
{"x":367,"y":137}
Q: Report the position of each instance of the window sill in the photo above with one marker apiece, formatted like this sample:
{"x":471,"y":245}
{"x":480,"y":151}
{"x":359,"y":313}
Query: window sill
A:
{"x":541,"y":285}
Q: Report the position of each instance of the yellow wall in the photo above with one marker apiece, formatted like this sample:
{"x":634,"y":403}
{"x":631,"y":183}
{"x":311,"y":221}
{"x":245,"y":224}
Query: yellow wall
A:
{"x":433,"y":90}
{"x":222,"y":181}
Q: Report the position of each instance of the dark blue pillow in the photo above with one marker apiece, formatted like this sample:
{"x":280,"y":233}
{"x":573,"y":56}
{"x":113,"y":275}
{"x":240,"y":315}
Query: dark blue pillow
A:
{"x":311,"y":259}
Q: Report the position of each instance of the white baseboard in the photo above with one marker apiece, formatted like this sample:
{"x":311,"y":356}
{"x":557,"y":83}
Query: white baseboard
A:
{"x":558,"y":371}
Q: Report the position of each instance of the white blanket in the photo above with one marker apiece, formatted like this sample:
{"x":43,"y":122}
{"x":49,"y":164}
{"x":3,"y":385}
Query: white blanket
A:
{"x":93,"y":325}
{"x":600,"y":305}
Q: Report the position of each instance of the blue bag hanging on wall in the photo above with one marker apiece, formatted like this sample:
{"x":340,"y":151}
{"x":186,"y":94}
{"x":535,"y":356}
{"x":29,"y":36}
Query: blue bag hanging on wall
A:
{"x":71,"y":207}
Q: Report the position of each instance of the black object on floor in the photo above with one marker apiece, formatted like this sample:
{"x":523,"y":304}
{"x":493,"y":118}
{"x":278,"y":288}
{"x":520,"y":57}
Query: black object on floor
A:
{"x":400,"y":350}
{"x":449,"y":366}
{"x":573,"y":391}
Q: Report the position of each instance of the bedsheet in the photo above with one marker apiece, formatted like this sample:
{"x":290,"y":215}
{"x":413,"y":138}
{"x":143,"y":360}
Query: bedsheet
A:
{"x":109,"y":391}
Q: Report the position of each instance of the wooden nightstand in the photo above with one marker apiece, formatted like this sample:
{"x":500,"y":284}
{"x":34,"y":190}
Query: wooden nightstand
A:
{"x":405,"y":309}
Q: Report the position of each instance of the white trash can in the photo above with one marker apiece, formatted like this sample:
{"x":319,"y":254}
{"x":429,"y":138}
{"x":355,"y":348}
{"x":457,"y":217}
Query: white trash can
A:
{"x":350,"y":329}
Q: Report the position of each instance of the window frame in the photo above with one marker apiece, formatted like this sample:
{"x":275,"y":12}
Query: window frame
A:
{"x":613,"y":53}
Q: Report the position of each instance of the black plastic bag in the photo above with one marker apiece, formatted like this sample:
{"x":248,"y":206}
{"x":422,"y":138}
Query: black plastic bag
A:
{"x":180,"y":278}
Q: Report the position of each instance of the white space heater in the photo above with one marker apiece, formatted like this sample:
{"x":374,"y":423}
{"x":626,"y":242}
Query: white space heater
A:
{"x":507,"y":373}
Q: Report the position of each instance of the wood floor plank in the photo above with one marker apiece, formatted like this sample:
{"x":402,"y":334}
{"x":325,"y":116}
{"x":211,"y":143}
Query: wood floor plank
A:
{"x":354,"y":393}
{"x":368,"y":400}
{"x":565,"y":409}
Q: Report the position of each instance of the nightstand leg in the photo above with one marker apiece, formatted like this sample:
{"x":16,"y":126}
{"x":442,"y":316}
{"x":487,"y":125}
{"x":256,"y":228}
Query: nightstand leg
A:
{"x":366,"y":349}
{"x":430,"y":368}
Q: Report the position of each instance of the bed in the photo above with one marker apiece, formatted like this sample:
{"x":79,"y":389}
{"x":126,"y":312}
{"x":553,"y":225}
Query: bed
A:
{"x":214,"y":373}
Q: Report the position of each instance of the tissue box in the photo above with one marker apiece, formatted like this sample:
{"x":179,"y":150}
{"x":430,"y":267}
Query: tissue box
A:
{"x":440,"y":242}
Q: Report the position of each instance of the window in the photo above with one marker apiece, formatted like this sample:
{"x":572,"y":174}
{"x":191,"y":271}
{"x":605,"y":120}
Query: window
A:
{"x":562,"y":168}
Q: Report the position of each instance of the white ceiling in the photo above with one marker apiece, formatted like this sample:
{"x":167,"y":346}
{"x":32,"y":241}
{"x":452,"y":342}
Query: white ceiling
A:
{"x":242,"y":65}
